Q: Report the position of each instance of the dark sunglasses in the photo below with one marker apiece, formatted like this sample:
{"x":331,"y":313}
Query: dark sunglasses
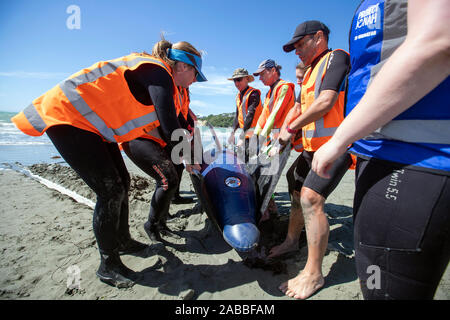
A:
{"x":237,"y":79}
{"x":195,"y":70}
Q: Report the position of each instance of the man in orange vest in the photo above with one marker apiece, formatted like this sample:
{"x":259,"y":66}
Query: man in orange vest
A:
{"x":248,"y":106}
{"x":279,"y":100}
{"x":295,"y":112}
{"x":322,"y":110}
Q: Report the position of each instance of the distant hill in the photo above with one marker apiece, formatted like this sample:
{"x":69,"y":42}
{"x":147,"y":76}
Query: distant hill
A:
{"x":220,"y":120}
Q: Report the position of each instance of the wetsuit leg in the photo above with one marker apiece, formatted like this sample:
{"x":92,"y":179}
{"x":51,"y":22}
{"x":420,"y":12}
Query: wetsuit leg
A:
{"x":124,"y":228}
{"x":325,"y":186}
{"x":101,"y":166}
{"x":297,"y":174}
{"x":179,"y":168}
{"x":402,"y":230}
{"x":155,"y":161}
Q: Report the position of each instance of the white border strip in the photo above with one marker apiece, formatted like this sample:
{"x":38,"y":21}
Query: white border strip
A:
{"x":51,"y":185}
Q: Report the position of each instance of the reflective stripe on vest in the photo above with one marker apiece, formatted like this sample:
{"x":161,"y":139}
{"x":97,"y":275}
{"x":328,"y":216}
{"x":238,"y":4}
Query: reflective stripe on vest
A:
{"x":34,"y":118}
{"x":414,"y":131}
{"x":269,"y":113}
{"x":243,"y":108}
{"x":272,"y":97}
{"x":244,"y":111}
{"x":316,"y":133}
{"x":320,"y":130}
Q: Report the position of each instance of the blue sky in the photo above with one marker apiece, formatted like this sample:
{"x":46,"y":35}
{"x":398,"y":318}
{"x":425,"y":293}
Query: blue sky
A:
{"x":37,"y":50}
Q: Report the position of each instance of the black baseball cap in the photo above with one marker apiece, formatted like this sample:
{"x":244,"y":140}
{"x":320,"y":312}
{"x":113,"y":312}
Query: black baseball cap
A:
{"x":303,"y":29}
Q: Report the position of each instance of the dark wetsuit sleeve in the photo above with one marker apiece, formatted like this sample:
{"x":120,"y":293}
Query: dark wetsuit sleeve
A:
{"x":183,"y":122}
{"x":190,"y":120}
{"x":338,"y":66}
{"x":253,"y":101}
{"x":159,"y":87}
{"x":236,"y":120}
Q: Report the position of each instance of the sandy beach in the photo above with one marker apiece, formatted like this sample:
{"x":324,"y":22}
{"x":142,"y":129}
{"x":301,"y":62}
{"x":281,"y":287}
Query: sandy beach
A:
{"x":45,"y":232}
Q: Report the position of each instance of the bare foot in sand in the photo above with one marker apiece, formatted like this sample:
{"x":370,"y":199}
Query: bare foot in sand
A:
{"x":302,"y":286}
{"x":285,"y":247}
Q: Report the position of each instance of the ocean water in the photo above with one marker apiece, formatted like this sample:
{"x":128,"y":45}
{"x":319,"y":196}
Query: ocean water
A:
{"x":15,"y":146}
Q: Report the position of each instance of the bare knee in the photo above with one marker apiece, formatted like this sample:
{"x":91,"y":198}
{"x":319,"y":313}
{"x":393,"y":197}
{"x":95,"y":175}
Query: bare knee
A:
{"x":310,"y":199}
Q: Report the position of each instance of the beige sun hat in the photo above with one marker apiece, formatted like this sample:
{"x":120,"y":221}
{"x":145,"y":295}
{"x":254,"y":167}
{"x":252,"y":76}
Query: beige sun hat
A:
{"x":241,"y":73}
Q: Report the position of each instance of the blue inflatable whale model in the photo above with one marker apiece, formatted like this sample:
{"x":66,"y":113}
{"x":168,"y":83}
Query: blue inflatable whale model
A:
{"x":235,"y":194}
{"x":227,"y":194}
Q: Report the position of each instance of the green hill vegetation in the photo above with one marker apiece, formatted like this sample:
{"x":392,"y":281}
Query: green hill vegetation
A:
{"x":220,"y":120}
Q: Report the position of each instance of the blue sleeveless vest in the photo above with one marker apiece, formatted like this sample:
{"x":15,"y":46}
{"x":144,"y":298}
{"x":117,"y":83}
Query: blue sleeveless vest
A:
{"x":420,"y":136}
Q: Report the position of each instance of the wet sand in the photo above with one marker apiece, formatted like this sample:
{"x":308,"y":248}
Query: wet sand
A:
{"x":45,"y":232}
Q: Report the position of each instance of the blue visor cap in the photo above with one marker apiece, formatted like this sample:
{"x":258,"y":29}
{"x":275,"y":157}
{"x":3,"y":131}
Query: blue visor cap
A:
{"x":189,"y":58}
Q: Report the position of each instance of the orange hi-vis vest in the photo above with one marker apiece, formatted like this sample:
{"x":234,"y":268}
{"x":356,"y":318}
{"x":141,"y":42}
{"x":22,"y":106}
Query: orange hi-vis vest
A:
{"x":315,"y":134}
{"x":242,"y":107}
{"x":181,"y":105}
{"x":297,"y":145}
{"x":273,"y":114}
{"x":96,"y":99}
{"x":184,"y":108}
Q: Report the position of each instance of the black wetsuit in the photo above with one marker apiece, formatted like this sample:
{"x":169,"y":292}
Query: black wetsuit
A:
{"x":100,"y":164}
{"x":151,"y":85}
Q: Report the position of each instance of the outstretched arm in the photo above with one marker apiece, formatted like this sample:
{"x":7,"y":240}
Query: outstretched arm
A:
{"x":418,"y":65}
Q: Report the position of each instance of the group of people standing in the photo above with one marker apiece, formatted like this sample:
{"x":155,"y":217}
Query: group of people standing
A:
{"x":383,"y":107}
{"x":308,"y":122}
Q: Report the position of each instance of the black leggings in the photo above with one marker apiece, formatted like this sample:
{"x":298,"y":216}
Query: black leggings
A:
{"x":402,"y":230}
{"x":154,"y":160}
{"x":101,"y":166}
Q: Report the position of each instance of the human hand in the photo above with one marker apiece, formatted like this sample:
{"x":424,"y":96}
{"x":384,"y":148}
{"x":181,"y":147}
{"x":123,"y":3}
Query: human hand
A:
{"x":324,"y":157}
{"x":274,"y":150}
{"x":191,"y":167}
{"x":284,"y":137}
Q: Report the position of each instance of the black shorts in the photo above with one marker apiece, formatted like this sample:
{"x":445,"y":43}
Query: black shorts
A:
{"x":300,"y":174}
{"x":401,"y":228}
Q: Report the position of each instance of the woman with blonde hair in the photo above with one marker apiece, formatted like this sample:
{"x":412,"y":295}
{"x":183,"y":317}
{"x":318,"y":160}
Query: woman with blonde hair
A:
{"x":152,"y":155}
{"x":111,"y":102}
